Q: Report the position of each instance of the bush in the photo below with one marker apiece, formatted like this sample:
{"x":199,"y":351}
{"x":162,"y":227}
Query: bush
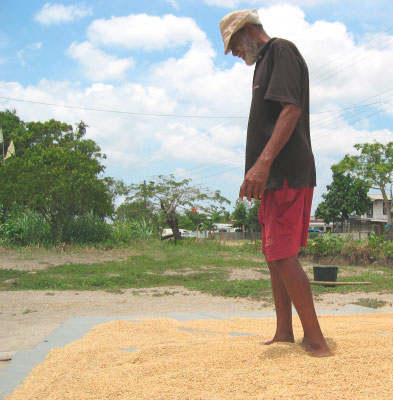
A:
{"x":373,"y":250}
{"x":121,"y":231}
{"x":24,"y":227}
{"x":141,"y":229}
{"x":324,"y":246}
{"x":88,"y":229}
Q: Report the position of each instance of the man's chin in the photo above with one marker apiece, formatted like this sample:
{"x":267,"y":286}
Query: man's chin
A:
{"x":250,"y":58}
{"x":250,"y":61}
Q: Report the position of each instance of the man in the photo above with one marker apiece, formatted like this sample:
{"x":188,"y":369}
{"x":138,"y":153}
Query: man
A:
{"x":280,"y":168}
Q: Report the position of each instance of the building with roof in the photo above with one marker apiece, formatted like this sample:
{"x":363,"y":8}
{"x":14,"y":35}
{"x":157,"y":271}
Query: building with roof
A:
{"x":376,"y":211}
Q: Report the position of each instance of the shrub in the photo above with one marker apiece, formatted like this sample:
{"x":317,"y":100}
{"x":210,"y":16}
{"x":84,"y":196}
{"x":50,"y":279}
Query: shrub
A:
{"x":121,"y":231}
{"x":24,"y":227}
{"x":88,"y":229}
{"x":373,"y":250}
{"x":324,"y":246}
{"x":141,"y":229}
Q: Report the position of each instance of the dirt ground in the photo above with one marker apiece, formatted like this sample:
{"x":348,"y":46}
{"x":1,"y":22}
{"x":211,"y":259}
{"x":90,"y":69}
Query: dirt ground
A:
{"x":27,"y":317}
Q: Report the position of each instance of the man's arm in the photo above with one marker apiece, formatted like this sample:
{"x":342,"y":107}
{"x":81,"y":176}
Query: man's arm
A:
{"x":257,"y":176}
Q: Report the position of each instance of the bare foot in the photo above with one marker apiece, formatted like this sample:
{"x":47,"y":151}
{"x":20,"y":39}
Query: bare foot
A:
{"x":281,"y":339}
{"x":316,"y":349}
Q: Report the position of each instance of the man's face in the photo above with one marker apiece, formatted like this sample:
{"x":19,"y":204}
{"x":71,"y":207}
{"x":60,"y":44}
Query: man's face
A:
{"x":244,"y":46}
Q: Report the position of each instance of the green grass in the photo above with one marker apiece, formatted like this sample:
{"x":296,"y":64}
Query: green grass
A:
{"x":203,"y":266}
{"x":381,"y":278}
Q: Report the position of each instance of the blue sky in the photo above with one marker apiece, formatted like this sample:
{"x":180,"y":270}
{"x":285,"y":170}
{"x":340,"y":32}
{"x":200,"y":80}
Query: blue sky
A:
{"x":166,"y":57}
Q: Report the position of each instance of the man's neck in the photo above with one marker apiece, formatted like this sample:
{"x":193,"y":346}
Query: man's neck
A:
{"x":263,"y":38}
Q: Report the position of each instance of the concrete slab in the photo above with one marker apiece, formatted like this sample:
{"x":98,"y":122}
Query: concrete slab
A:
{"x":75,"y":328}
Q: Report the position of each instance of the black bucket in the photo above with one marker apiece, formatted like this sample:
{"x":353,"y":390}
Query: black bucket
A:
{"x":325,"y":273}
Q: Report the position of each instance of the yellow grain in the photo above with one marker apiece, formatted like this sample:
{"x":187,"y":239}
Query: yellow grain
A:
{"x":177,"y":364}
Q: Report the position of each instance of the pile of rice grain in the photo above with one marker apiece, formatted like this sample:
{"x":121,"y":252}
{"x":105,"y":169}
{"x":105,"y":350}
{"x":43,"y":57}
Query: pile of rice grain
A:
{"x":172,"y":363}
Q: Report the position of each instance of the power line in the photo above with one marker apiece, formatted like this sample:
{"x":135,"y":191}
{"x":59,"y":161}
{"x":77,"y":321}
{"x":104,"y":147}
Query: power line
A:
{"x":168,"y":154}
{"x":332,"y":121}
{"x":351,"y":51}
{"x":154,"y":114}
{"x":357,"y":105}
{"x":315,"y":80}
{"x":322,"y":123}
{"x":350,"y":123}
{"x":203,"y":168}
{"x":218,"y":173}
{"x":122,"y":112}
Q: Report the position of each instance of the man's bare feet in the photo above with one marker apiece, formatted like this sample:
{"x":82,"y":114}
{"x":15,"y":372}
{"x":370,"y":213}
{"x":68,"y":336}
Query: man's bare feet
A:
{"x":281,"y":339}
{"x":316,"y":349}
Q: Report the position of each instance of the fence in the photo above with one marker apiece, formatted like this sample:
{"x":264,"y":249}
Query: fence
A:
{"x":239,"y":235}
{"x":349,"y":235}
{"x":360,"y":235}
{"x":354,"y":225}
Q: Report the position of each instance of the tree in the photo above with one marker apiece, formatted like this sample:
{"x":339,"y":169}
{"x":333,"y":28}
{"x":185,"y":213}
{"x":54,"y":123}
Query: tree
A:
{"x":252,"y":217}
{"x":374,"y":165}
{"x":345,"y":196}
{"x":240,"y":215}
{"x":55,"y":172}
{"x":246,"y":216}
{"x":135,"y":210}
{"x":168,"y":196}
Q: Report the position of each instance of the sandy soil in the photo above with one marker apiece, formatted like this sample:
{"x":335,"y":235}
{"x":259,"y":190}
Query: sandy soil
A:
{"x":27,"y":317}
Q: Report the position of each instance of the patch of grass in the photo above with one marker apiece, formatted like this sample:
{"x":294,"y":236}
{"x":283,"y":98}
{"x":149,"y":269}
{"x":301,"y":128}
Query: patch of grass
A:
{"x":114,"y":291}
{"x":28,"y":311}
{"x":255,"y":290}
{"x":145,"y":269}
{"x":371,"y":303}
{"x":165,"y":293}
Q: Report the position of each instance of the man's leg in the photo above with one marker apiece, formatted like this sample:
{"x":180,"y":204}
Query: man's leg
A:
{"x":283,"y":304}
{"x":299,"y":290}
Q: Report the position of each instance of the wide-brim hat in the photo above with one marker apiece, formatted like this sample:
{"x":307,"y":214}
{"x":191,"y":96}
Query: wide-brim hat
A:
{"x":235,"y":21}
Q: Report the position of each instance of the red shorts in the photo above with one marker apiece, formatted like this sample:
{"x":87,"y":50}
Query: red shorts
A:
{"x":284,"y":215}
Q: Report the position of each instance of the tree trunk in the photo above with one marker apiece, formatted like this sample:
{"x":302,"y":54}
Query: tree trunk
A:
{"x":388,"y":207}
{"x":171,"y":219}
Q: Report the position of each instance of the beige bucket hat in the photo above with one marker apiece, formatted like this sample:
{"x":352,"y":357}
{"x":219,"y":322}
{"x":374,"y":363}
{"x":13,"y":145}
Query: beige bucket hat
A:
{"x":235,"y":21}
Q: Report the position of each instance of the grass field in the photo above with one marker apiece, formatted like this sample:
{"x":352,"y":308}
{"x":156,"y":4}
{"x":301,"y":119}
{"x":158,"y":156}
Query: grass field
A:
{"x":205,"y":266}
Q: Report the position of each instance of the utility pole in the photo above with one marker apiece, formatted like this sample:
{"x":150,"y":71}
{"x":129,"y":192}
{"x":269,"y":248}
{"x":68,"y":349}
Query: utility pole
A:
{"x":2,"y":140}
{"x":144,"y":195}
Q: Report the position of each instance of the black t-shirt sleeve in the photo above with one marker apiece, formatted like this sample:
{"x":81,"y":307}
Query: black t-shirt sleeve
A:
{"x":286,"y":79}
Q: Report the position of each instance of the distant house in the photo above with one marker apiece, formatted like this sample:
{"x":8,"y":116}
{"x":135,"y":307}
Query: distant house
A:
{"x":223,"y":227}
{"x":374,"y":220}
{"x":320,"y":224}
{"x":376,"y":210}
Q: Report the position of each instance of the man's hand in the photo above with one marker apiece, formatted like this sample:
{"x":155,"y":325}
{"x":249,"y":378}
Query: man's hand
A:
{"x":255,"y":181}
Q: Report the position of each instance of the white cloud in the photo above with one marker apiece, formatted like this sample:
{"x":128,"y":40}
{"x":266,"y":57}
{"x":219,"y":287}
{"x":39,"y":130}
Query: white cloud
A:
{"x":341,"y":70}
{"x":123,"y":137}
{"x":198,"y":81}
{"x":197,"y":146}
{"x":27,"y":51}
{"x":144,"y":31}
{"x":98,"y":65}
{"x":51,"y":14}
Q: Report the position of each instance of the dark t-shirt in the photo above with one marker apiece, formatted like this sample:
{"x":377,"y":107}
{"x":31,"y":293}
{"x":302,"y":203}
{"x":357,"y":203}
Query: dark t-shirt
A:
{"x":281,"y":75}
